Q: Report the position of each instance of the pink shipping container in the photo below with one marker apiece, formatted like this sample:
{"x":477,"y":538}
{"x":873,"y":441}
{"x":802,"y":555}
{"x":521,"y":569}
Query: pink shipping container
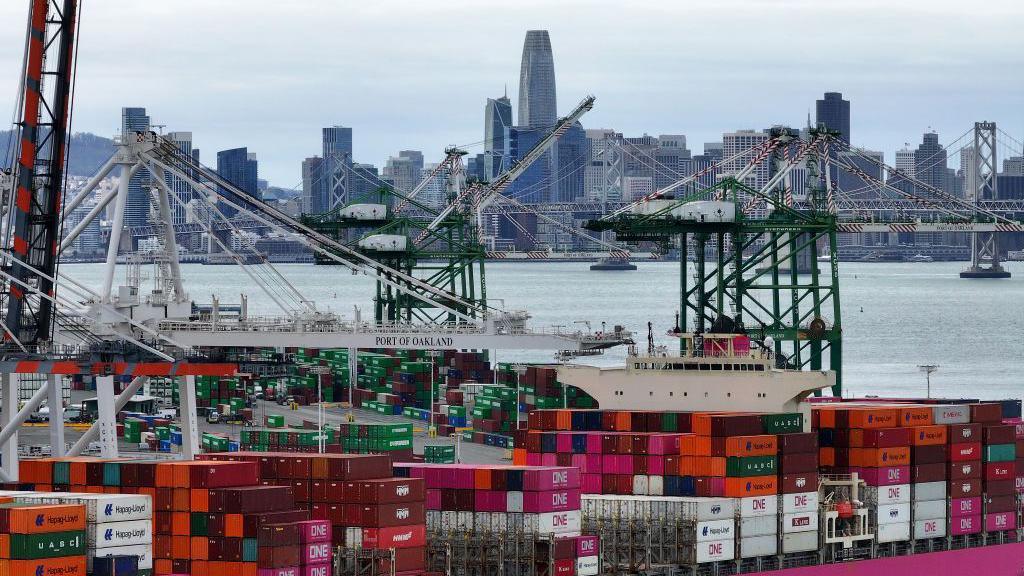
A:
{"x":289,"y":571}
{"x":586,"y":546}
{"x":314,"y":531}
{"x":656,"y":465}
{"x":533,"y":458}
{"x":965,"y":525}
{"x":315,"y":553}
{"x":563,"y":443}
{"x":552,"y":501}
{"x":965,"y":507}
{"x":490,"y":501}
{"x":433,"y":499}
{"x":888,"y":476}
{"x":593,"y":443}
{"x":554,"y":478}
{"x":548,"y":459}
{"x":662,"y":444}
{"x":322,"y":569}
{"x":1000,"y":521}
{"x":591,"y":483}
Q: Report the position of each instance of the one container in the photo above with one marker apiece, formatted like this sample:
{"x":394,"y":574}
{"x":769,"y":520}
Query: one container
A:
{"x":929,"y":529}
{"x":758,"y":506}
{"x":713,"y":551}
{"x":882,"y":495}
{"x":800,"y":502}
{"x":965,"y":525}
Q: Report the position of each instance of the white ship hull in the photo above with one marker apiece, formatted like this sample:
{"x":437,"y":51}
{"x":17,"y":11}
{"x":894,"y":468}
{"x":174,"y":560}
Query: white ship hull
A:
{"x":769,"y":390}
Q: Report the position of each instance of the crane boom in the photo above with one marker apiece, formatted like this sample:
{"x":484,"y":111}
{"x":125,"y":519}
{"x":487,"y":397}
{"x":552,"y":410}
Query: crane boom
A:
{"x":520,"y":167}
{"x":35,"y":220}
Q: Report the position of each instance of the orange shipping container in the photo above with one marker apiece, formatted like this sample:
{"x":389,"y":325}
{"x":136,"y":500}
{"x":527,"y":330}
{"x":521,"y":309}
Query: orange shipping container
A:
{"x":929,"y":435}
{"x":200,"y":548}
{"x":519,"y":456}
{"x":827,"y":456}
{"x":763,"y":445}
{"x":563,"y":420}
{"x":916,"y":416}
{"x":181,"y":547}
{"x":199,"y":500}
{"x":753,"y":486}
{"x":163,"y":566}
{"x":49,"y":518}
{"x":693,"y":445}
{"x":826,"y":416}
{"x":880,"y":457}
{"x":66,"y":566}
{"x":199,"y":567}
{"x":233,"y":525}
{"x":180,"y":523}
{"x":873,"y":418}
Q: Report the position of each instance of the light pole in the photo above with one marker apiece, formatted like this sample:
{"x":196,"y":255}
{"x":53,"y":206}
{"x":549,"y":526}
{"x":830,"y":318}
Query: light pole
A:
{"x":320,"y":371}
{"x":928,"y":369}
{"x":519,"y":369}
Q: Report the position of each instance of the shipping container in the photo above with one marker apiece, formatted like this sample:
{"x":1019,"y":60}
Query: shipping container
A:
{"x":116,"y":534}
{"x":799,"y":502}
{"x":755,"y":546}
{"x":929,"y":509}
{"x":144,"y":552}
{"x":799,"y":542}
{"x":757,"y":526}
{"x":714,"y":530}
{"x":800,"y":522}
{"x":893,"y":532}
{"x":924,"y":529}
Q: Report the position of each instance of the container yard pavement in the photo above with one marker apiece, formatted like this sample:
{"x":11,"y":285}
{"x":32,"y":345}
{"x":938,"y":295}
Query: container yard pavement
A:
{"x":469,"y":452}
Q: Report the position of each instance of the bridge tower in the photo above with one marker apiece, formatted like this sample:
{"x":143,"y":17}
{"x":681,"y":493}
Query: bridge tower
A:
{"x":981,"y":185}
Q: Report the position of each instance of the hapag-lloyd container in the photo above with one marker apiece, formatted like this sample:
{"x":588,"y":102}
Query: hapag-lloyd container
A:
{"x":587,"y":566}
{"x":882,"y":495}
{"x":893,"y":513}
{"x":1000,"y":521}
{"x":321,"y":569}
{"x":800,"y":522}
{"x":61,"y":566}
{"x":142,"y":551}
{"x":101,"y":507}
{"x":801,"y":502}
{"x":964,"y":507}
{"x":714,"y":530}
{"x":757,"y":526}
{"x":754,"y":546}
{"x":758,"y":506}
{"x":935,"y":528}
{"x":713,"y":551}
{"x":315,"y":553}
{"x":36,"y":518}
{"x":965,"y":525}
{"x":131,"y":533}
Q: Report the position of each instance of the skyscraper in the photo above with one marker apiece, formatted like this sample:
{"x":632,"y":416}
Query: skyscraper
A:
{"x":573,"y":156}
{"x":178,"y":186}
{"x":735,"y":143}
{"x":930,"y":162}
{"x":834,"y":113}
{"x":136,"y":211}
{"x":537,"y":81}
{"x":312,"y":169}
{"x":497,"y":122}
{"x":337,"y":155}
{"x":404,"y":170}
{"x":238,"y":167}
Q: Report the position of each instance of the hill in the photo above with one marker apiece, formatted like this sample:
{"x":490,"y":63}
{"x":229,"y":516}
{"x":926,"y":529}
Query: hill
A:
{"x":88,"y":152}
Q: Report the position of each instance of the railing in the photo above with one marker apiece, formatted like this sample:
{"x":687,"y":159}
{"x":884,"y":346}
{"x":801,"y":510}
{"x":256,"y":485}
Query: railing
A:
{"x":284,"y":325}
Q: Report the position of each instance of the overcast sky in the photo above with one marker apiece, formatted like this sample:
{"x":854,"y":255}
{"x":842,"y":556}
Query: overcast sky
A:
{"x":268,"y":74}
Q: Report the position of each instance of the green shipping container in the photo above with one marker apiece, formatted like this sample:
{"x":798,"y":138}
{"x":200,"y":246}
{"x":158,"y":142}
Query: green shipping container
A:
{"x":249,"y":550}
{"x":49,"y":545}
{"x":784,"y":423}
{"x":198,"y":524}
{"x":1000,"y":453}
{"x":743,"y":467}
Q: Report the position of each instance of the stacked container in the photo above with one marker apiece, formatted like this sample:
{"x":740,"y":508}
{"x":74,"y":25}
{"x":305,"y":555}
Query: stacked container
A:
{"x":798,"y":492}
{"x":385,"y":514}
{"x":966,"y":470}
{"x":463,"y":497}
{"x":315,"y":547}
{"x":42,"y":539}
{"x":999,"y":450}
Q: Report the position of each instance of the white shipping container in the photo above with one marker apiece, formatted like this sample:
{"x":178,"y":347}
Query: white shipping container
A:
{"x":755,"y":546}
{"x":640,"y":484}
{"x":896,"y":532}
{"x":930,"y":529}
{"x":116,"y":534}
{"x":365,"y":211}
{"x":758,"y":506}
{"x":929,"y":491}
{"x":587,"y":566}
{"x":656,"y":485}
{"x":800,"y":502}
{"x":799,"y":542}
{"x":144,"y":553}
{"x":930,"y":510}
{"x":715,"y":551}
{"x":354,"y":537}
{"x":708,"y":508}
{"x":883,"y":495}
{"x":758,"y":526}
{"x":385,"y":242}
{"x":951,"y":414}
{"x":714,"y":530}
{"x":102,"y":507}
{"x":800,"y":522}
{"x":893,"y":514}
{"x":608,"y":506}
{"x":514,"y":501}
{"x":553,"y":522}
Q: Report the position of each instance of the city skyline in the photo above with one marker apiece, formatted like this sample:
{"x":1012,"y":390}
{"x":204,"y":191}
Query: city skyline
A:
{"x":910,"y":79}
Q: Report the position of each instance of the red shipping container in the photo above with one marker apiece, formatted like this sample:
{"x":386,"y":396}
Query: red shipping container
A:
{"x":881,"y":438}
{"x":1000,"y":487}
{"x":385,"y":491}
{"x":966,"y":452}
{"x":565,"y":567}
{"x":223,"y":474}
{"x":1001,"y":434}
{"x":1000,"y":471}
{"x":797,"y":483}
{"x":385,"y":515}
{"x":322,"y":569}
{"x":986,"y":412}
{"x":965,"y":488}
{"x":999,"y":504}
{"x":405,"y":560}
{"x":928,"y":454}
{"x":959,"y":433}
{"x":798,"y":463}
{"x":414,"y":536}
{"x":798,"y":443}
{"x":920,"y":473}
